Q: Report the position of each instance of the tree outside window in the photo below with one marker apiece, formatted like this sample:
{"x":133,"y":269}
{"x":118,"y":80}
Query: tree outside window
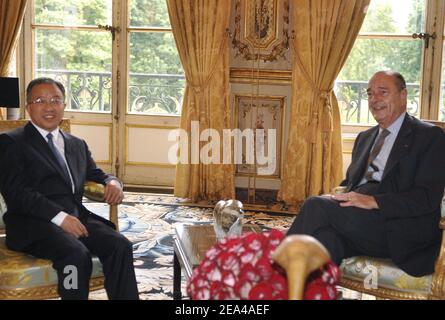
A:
{"x":385,"y":42}
{"x":70,"y":47}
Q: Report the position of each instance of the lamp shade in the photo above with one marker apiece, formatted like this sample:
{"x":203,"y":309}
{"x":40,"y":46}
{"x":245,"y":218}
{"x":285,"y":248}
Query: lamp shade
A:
{"x":9,"y":92}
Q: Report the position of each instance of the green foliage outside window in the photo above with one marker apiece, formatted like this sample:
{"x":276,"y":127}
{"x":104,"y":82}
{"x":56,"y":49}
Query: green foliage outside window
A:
{"x":82,"y":59}
{"x":371,"y":55}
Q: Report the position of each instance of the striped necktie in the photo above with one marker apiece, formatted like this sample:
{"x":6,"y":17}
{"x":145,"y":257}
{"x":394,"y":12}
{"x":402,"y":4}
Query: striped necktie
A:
{"x":375,"y":152}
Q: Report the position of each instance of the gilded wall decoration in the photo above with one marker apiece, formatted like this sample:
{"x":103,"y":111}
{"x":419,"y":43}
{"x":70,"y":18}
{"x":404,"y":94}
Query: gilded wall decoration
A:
{"x":261,"y":29}
{"x":263,"y":114}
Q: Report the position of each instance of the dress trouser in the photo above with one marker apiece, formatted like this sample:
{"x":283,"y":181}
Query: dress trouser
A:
{"x":344,"y":231}
{"x":65,"y":251}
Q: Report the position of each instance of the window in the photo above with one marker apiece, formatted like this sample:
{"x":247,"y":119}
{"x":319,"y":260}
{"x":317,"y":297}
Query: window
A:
{"x":13,"y":66}
{"x":156,"y":79}
{"x":72,"y":43}
{"x":385,"y":42}
{"x":441,"y":115}
{"x":64,"y":34}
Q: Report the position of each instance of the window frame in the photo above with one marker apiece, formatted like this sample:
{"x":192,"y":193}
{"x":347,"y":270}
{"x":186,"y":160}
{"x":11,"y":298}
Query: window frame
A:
{"x":120,"y":54}
{"x":431,"y":63}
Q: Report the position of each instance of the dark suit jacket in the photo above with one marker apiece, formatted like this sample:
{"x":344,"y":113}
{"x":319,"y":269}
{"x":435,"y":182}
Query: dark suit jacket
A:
{"x":33,"y":185}
{"x":410,"y":193}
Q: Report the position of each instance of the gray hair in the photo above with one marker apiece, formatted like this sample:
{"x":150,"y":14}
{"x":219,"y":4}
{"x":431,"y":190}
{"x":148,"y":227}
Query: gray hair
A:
{"x":398,"y":78}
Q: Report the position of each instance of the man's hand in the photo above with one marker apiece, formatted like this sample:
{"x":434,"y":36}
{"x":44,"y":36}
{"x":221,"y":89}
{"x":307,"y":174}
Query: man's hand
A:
{"x":353,"y":199}
{"x":73,"y":226}
{"x":113,"y":192}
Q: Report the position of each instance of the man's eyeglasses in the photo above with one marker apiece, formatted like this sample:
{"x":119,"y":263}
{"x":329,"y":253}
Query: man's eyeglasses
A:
{"x":53,"y":101}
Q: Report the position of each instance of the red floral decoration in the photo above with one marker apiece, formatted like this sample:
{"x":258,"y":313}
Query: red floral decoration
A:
{"x":242,"y":268}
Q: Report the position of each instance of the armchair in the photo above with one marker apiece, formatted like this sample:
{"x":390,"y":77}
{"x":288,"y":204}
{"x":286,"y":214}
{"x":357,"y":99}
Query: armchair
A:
{"x":25,"y":277}
{"x":383,"y":279}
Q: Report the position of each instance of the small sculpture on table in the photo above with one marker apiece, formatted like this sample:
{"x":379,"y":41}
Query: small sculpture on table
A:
{"x":300,"y":255}
{"x":228,"y":216}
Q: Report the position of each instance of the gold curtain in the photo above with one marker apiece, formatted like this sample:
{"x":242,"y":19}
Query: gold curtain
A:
{"x":325,"y":32}
{"x":11,"y":17}
{"x":200,"y":32}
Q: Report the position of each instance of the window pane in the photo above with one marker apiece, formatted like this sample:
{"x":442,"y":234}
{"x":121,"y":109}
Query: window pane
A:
{"x":149,"y":13}
{"x":156,"y":75}
{"x":73,"y":12}
{"x":395,"y":16}
{"x":81,"y":60}
{"x":368,"y":57}
{"x":442,"y":91}
{"x":13,"y":65}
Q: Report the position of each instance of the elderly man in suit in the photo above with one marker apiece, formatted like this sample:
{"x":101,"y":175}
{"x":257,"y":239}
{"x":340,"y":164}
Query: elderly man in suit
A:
{"x":394,"y":187}
{"x":42,"y":178}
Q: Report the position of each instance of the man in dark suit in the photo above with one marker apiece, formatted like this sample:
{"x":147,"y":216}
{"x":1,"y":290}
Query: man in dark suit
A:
{"x":42,"y":178}
{"x":394,"y":187}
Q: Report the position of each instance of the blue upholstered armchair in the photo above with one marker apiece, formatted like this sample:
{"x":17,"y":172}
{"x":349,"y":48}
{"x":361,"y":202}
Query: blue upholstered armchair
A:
{"x":26,"y":277}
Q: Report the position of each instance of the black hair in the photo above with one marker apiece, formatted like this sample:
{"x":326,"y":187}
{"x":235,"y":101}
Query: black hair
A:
{"x":43,"y":80}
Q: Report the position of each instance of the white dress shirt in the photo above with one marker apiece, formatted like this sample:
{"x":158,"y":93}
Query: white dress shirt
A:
{"x":382,"y":157}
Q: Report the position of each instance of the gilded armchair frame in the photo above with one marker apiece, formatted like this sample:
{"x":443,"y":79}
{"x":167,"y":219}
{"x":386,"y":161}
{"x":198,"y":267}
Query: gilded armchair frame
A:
{"x":44,"y":292}
{"x":92,"y":191}
{"x":437,"y":285}
{"x":437,"y":290}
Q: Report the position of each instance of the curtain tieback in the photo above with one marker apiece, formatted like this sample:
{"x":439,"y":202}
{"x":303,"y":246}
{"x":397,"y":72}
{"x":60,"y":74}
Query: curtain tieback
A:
{"x":328,"y":120}
{"x":198,"y":90}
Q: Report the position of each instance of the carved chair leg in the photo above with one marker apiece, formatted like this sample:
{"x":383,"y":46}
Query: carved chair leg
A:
{"x":114,"y":216}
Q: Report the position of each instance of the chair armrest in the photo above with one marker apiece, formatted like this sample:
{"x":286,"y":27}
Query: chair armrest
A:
{"x":95,"y":191}
{"x":338,"y":189}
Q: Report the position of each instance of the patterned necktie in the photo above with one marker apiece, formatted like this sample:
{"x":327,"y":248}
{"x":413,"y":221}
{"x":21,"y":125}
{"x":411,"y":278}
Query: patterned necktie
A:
{"x":59,"y":158}
{"x":375,"y":152}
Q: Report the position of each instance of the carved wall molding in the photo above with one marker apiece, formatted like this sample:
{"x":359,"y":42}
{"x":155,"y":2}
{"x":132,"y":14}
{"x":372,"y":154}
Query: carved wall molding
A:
{"x":262,"y":76}
{"x":261,"y":112}
{"x":257,"y":34}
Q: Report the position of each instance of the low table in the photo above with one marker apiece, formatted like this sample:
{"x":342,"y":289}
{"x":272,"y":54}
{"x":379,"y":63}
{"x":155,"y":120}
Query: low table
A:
{"x":191,"y":243}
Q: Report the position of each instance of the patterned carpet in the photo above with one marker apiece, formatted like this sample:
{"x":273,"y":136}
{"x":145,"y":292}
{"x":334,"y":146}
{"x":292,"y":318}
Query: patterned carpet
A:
{"x":148,"y":221}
